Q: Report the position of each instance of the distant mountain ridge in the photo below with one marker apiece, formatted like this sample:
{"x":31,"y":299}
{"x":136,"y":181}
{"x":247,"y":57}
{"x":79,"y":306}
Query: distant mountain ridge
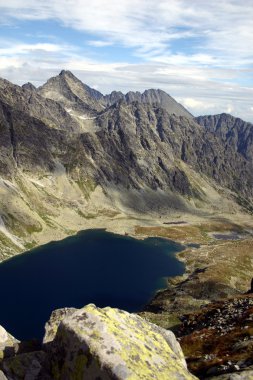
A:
{"x":232,"y":131}
{"x":155,"y":97}
{"x":66,"y":88}
{"x":68,"y":152}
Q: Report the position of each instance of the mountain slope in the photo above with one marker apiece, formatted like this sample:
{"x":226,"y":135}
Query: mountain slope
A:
{"x":153,"y":142}
{"x":60,"y":173}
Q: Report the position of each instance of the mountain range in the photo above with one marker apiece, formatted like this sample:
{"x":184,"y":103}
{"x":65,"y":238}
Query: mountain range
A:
{"x":71,"y":158}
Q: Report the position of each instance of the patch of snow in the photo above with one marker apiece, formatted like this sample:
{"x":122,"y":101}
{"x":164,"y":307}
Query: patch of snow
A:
{"x":4,"y":183}
{"x":36,"y":182}
{"x":68,"y":110}
{"x":85,"y":117}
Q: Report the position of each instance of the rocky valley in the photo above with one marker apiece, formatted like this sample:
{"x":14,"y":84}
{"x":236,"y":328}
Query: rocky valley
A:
{"x":138,"y":164}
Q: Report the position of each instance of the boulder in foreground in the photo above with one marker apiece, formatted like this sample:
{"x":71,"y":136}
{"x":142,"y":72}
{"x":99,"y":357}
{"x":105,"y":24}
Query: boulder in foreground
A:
{"x":94,"y":343}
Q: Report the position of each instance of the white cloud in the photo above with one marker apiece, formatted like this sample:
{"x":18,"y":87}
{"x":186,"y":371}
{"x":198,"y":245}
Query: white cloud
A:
{"x":204,"y":75}
{"x":98,"y":43}
{"x":222,"y":29}
{"x":229,"y":109}
{"x":194,"y":104}
{"x":19,"y":48}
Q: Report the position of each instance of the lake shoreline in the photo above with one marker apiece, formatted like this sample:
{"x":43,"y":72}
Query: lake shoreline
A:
{"x":93,"y":266}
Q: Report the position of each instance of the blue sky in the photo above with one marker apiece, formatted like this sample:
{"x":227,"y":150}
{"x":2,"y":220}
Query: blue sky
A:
{"x":199,"y":52}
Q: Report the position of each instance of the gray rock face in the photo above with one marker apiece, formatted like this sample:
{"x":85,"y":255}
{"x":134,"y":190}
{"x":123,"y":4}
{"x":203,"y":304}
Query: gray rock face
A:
{"x":112,"y":98}
{"x":151,"y":97}
{"x":232,"y":131}
{"x":29,"y":87}
{"x":109,"y":343}
{"x":236,"y":136}
{"x":72,"y":94}
{"x":29,"y":366}
{"x":55,"y":319}
{"x":27,"y":103}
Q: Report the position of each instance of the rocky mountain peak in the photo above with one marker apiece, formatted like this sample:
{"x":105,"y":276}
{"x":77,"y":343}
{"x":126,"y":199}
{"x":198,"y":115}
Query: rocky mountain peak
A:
{"x":72,"y":94}
{"x":69,"y":76}
{"x":29,"y":86}
{"x":67,"y":88}
{"x":66,"y":72}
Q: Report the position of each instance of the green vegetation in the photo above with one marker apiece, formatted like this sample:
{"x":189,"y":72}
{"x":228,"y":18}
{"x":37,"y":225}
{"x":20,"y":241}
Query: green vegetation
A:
{"x":30,"y":245}
{"x":47,"y":220}
{"x":87,"y":186}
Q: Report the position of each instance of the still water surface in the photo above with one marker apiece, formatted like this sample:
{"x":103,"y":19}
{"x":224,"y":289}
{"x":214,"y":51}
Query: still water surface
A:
{"x":93,"y":266}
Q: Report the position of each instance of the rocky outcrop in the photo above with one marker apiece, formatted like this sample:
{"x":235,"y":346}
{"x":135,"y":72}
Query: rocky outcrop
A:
{"x":52,"y":325}
{"x":113,"y":344}
{"x":93,"y":343}
{"x":218,"y":338}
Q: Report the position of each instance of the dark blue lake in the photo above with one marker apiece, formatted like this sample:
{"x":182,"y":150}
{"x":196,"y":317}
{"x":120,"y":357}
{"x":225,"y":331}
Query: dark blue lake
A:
{"x":93,"y":266}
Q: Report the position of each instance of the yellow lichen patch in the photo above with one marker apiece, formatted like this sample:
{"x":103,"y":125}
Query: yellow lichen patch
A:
{"x":121,"y":345}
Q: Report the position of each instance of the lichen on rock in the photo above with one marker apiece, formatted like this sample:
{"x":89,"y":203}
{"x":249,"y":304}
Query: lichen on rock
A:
{"x":113,"y":344}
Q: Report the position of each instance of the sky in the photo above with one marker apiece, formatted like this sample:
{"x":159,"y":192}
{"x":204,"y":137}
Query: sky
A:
{"x":198,"y":51}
